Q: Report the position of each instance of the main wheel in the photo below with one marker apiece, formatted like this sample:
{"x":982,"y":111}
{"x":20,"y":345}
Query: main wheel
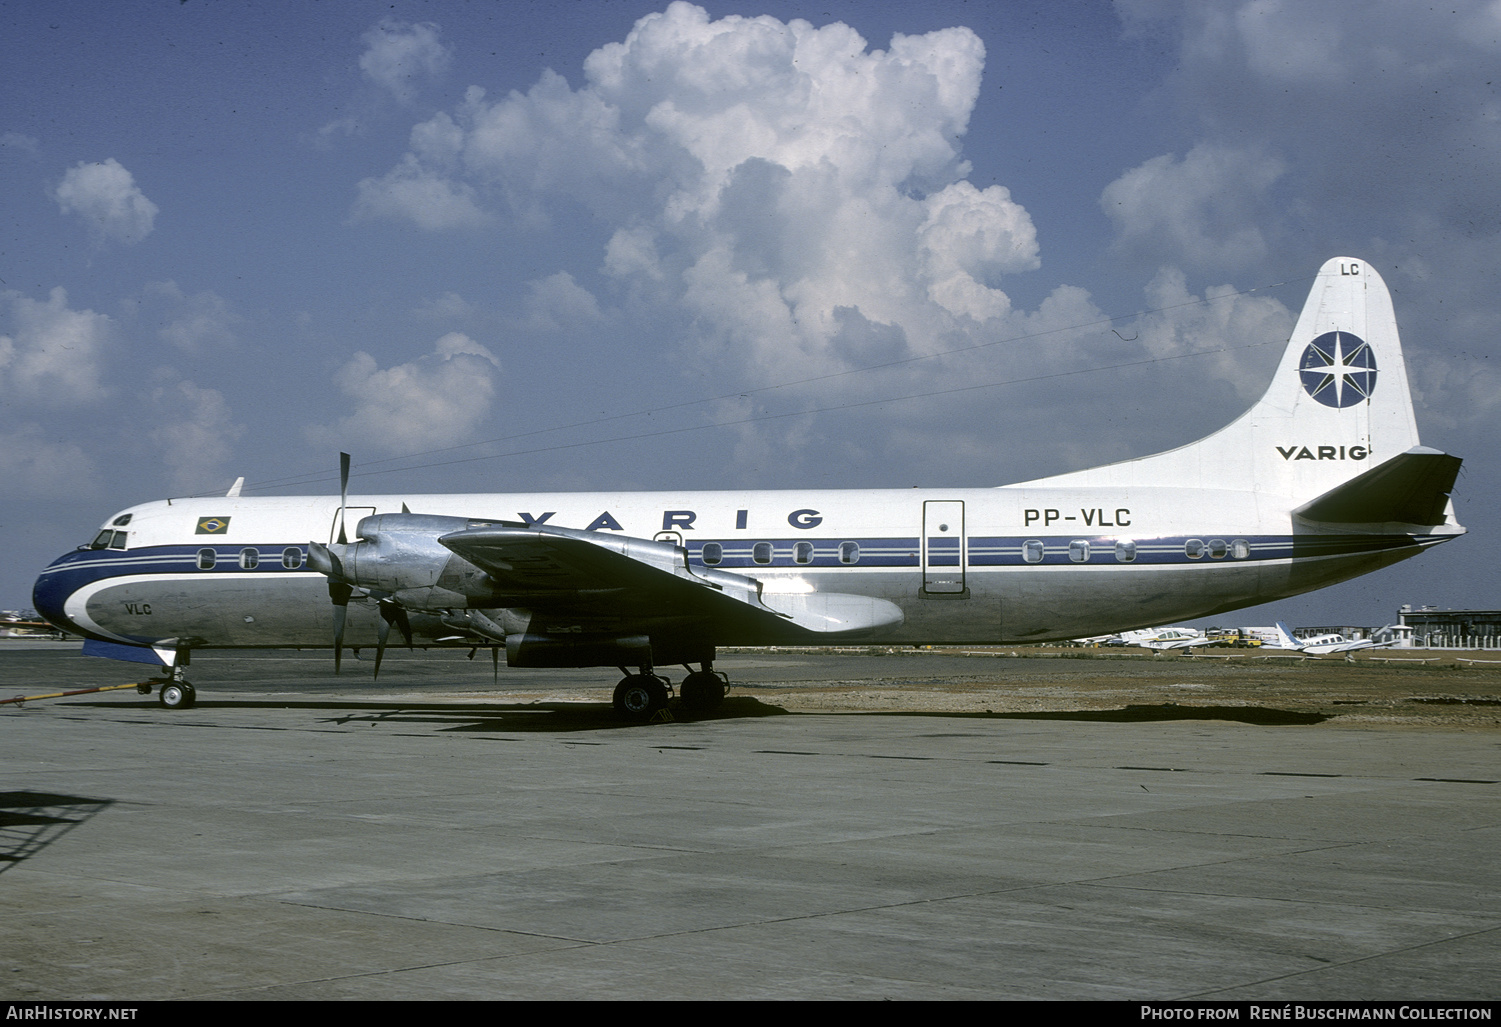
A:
{"x":638,"y":696}
{"x":702,"y":690}
{"x":177,"y":695}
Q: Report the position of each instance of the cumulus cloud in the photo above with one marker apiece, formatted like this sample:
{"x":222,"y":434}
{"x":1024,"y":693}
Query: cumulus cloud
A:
{"x":53,"y":354}
{"x":421,"y":195}
{"x":1202,"y":210}
{"x":436,"y":400}
{"x":194,"y":431}
{"x":1395,"y":108}
{"x":202,"y":321}
{"x":1248,"y":331}
{"x":399,"y":56}
{"x":448,"y":307}
{"x":106,"y":196}
{"x":763,"y":182}
{"x":35,"y":467}
{"x":558,"y":303}
{"x":19,"y":142}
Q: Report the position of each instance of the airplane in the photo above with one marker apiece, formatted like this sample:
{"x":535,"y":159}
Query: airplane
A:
{"x":1165,"y":639}
{"x":1324,"y":645}
{"x":1322,"y":480}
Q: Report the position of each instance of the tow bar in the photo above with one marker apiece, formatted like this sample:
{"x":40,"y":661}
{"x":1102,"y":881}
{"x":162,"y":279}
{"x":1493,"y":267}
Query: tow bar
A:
{"x":143,"y":687}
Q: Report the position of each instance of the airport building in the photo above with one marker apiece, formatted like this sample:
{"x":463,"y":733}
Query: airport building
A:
{"x":1452,"y":629}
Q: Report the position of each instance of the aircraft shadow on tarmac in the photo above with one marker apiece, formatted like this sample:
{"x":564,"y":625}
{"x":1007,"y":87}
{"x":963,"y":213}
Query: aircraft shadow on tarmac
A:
{"x":576,"y":716}
{"x":31,"y":821}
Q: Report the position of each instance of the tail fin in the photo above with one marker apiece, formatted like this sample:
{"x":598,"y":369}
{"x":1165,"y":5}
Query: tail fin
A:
{"x":1285,"y":639}
{"x":1338,"y":405}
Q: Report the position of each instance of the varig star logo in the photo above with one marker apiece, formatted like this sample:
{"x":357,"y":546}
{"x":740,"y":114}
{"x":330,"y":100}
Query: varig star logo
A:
{"x":212,"y":526}
{"x":1338,"y":369}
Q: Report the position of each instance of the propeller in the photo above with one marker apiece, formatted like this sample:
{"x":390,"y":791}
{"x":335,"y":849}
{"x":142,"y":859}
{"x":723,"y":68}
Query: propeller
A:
{"x":341,"y":563}
{"x":325,"y":561}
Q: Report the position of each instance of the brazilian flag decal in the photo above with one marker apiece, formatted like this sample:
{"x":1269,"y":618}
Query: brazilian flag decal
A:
{"x":212,"y":526}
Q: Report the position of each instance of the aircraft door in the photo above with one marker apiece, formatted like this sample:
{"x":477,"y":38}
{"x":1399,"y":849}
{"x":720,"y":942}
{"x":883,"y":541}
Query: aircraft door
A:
{"x":944,"y":547}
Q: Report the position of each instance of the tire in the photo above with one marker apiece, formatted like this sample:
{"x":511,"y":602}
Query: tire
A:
{"x":176,"y":696}
{"x":639,"y":696}
{"x":703,"y":690}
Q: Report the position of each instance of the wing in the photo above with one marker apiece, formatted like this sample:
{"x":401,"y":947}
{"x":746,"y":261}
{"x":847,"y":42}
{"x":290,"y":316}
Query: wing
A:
{"x":564,"y":570}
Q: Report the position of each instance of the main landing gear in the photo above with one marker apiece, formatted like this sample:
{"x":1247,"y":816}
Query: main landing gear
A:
{"x":641,"y":696}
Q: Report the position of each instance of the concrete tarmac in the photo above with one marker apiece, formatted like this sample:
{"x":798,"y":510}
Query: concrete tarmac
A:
{"x":300,"y":836}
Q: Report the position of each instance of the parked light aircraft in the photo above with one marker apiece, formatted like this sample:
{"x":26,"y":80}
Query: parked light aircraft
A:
{"x":1322,"y":480}
{"x":1164,"y":639}
{"x":1324,"y":645}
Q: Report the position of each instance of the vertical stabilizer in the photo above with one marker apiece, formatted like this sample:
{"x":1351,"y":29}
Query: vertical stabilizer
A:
{"x":1337,"y":406}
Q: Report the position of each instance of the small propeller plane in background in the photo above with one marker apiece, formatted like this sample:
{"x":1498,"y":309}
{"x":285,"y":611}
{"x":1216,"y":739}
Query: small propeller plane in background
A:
{"x":1322,"y":480}
{"x":1325,"y":645}
{"x":1164,"y":640}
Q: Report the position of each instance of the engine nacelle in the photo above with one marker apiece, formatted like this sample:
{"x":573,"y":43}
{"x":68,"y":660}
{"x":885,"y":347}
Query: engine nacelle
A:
{"x":528,"y":650}
{"x":399,"y":555}
{"x":524,"y":649}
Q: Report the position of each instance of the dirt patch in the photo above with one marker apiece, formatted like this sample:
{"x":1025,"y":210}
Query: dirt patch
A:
{"x":1417,"y":688}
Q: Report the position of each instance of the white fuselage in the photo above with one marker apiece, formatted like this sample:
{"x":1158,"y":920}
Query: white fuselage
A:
{"x":1011,"y":564}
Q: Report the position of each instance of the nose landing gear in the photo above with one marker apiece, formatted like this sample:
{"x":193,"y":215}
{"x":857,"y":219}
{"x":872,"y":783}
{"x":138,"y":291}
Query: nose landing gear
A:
{"x":175,"y":693}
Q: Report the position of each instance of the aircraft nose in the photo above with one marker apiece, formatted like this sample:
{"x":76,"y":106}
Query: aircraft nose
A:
{"x":49,"y":595}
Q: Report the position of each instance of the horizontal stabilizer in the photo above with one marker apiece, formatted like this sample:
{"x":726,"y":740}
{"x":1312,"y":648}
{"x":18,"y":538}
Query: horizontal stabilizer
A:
{"x":1410,"y":488}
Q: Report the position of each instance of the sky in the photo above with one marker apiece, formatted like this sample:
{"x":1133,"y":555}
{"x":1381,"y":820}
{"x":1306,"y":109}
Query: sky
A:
{"x":510,"y":247}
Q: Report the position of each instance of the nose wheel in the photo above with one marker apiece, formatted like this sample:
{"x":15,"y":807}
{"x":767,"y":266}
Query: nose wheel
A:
{"x":177,"y":695}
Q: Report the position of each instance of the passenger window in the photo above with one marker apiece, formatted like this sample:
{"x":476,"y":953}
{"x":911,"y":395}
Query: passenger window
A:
{"x":1240,"y":549}
{"x":802,"y":552}
{"x":1032,"y":550}
{"x":761,"y":553}
{"x":1194,"y":548}
{"x":1078,"y":551}
{"x":1217,"y":549}
{"x":849,"y":552}
{"x":248,"y":559}
{"x":291,"y":558}
{"x":712,"y":553}
{"x":1125,"y":551}
{"x":205,"y":559}
{"x":118,"y":542}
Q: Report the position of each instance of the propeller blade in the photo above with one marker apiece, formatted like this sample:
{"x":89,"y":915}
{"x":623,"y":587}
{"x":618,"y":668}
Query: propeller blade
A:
{"x":343,"y":494}
{"x":391,"y":613}
{"x":380,"y":638}
{"x":339,"y":592}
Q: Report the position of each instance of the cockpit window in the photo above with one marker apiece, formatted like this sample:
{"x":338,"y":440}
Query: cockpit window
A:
{"x":121,"y":521}
{"x":102,"y":540}
{"x":118,"y":542}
